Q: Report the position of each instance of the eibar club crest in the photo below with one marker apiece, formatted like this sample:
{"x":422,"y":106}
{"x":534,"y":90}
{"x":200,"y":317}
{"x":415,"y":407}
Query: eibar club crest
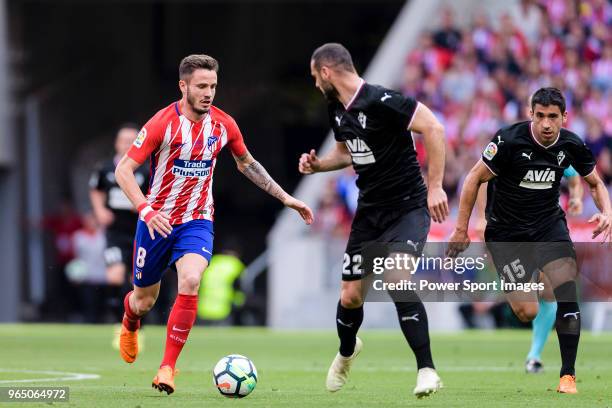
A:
{"x":560,"y":157}
{"x":362,"y":119}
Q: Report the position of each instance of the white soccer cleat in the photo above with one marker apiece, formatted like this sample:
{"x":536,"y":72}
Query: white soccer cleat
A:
{"x":428,"y":382}
{"x":340,"y":368}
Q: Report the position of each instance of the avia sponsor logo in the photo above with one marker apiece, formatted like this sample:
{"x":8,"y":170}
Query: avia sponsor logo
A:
{"x":192,"y":168}
{"x":360,"y":151}
{"x":538,"y":179}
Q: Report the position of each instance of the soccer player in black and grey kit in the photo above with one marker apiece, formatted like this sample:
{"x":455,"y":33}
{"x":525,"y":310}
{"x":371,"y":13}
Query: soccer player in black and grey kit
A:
{"x":115,"y":212}
{"x":526,"y":228}
{"x":372,"y":126}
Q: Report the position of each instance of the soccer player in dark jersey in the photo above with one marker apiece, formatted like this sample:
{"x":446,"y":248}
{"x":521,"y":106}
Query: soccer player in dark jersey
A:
{"x":114,"y":211}
{"x":526,"y":227}
{"x":372,"y":126}
{"x":112,"y":208}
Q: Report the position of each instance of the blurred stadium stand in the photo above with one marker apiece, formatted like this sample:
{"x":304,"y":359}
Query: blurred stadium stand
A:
{"x":476,"y":73}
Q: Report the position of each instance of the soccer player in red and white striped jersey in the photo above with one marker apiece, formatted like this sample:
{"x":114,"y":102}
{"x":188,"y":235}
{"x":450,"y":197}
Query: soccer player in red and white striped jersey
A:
{"x":175,"y":227}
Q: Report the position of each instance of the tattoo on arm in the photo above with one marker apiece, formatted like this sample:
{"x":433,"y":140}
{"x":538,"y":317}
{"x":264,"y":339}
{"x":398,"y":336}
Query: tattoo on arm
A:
{"x":258,"y":175}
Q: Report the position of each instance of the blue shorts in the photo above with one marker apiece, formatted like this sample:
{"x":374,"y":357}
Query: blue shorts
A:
{"x":152,"y":257}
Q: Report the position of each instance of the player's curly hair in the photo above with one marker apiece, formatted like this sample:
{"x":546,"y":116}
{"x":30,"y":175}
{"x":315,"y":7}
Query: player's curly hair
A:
{"x":197,"y":61}
{"x":548,"y":96}
{"x":333,"y":55}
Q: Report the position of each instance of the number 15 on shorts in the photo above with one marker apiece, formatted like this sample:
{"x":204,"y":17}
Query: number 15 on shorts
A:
{"x":517,"y":271}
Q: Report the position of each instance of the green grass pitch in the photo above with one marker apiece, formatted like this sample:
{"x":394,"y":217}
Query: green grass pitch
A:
{"x":479,"y":368}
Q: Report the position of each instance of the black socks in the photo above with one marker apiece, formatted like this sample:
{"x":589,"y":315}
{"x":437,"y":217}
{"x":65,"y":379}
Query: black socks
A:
{"x":567,"y":325}
{"x":413,"y":322}
{"x":348,"y":322}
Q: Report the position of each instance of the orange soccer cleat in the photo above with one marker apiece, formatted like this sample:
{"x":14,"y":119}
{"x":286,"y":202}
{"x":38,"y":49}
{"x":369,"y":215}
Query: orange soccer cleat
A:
{"x":164,"y":380}
{"x":128,"y":344}
{"x":567,"y":385}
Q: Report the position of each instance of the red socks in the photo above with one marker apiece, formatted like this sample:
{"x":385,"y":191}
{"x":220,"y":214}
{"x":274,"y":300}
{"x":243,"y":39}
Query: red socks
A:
{"x":131,"y":320}
{"x":180,"y":322}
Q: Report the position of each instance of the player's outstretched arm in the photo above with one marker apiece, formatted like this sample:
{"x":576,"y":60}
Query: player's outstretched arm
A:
{"x":156,"y":221}
{"x":425,"y":123}
{"x":255,"y":172}
{"x":460,"y":240}
{"x":602,"y":201}
{"x":338,"y":158}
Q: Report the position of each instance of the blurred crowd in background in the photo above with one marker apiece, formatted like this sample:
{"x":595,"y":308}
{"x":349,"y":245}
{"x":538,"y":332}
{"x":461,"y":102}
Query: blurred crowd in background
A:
{"x":478,"y":78}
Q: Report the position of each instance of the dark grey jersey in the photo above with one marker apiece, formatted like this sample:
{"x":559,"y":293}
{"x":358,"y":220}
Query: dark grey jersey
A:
{"x":103,"y":179}
{"x":525,"y":193}
{"x":374,"y":128}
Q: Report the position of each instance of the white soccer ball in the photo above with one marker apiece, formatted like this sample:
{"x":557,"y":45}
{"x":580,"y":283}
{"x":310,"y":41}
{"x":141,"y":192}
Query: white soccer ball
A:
{"x":235,"y":376}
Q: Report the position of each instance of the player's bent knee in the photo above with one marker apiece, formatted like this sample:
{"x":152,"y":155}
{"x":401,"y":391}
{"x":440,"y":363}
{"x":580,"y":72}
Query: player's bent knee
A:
{"x":351,"y":299}
{"x":525,"y":312}
{"x":190,"y":284}
{"x":144,"y":304}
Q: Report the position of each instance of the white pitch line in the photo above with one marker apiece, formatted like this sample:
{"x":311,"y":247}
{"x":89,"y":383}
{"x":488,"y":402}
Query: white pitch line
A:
{"x":61,"y":376}
{"x":410,"y":369}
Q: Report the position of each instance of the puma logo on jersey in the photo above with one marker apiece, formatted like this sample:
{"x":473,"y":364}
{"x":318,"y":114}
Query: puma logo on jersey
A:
{"x":538,"y":179}
{"x":527,"y":155}
{"x":362,"y":119}
{"x":360,"y":151}
{"x":385,"y":97}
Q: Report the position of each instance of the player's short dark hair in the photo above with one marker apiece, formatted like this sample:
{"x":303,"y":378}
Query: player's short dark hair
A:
{"x":333,"y":55}
{"x":548,"y":96}
{"x":197,"y":61}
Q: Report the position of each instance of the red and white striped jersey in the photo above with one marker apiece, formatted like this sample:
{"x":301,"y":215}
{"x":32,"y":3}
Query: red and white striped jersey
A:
{"x":183,"y":156}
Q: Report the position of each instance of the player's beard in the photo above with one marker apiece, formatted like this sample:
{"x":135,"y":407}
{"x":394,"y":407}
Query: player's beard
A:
{"x":191,"y":100}
{"x":329,"y":91}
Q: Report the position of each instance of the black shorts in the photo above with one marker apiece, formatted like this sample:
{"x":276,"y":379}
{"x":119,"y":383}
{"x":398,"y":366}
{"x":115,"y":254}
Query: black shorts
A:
{"x":518,"y":255}
{"x":119,"y":248}
{"x":375,"y":225}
